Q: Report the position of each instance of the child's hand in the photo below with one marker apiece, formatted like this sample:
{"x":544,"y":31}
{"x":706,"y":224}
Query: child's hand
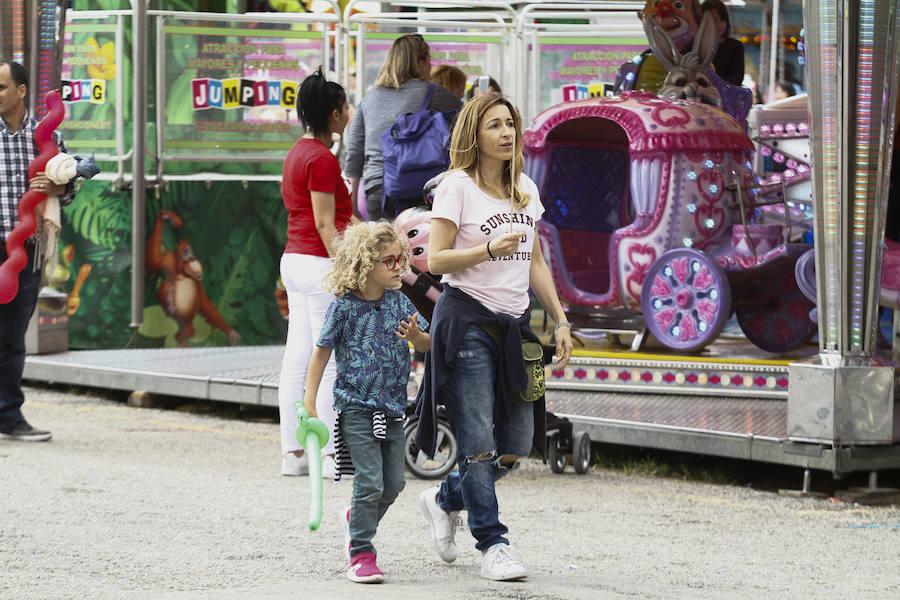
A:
{"x":409,"y":330}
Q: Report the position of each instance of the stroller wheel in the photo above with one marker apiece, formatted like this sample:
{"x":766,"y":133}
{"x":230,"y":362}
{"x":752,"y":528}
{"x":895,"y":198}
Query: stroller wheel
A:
{"x":444,"y":455}
{"x":557,"y":458}
{"x":581,"y":456}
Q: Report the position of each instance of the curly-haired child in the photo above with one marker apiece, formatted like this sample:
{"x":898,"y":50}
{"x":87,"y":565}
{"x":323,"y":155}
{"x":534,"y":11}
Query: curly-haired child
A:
{"x":368,"y":325}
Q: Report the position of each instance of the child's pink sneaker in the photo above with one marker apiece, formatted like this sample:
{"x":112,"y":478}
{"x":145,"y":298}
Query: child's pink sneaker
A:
{"x":364,"y":570}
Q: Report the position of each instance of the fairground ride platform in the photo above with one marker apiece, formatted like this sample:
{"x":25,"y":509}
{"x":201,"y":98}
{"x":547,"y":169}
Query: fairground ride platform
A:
{"x":726,"y":401}
{"x":249,"y":374}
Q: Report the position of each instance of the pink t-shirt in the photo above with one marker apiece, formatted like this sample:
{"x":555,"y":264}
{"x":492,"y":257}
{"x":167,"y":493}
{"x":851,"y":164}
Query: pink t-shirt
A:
{"x":500,"y":284}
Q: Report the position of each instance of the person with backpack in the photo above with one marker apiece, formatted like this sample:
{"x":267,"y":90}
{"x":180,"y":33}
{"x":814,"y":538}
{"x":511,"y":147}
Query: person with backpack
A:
{"x":401,"y":87}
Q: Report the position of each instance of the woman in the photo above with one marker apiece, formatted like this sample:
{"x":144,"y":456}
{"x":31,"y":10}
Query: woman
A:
{"x":399,"y":88}
{"x":318,"y":205}
{"x":484,"y":242}
{"x":452,"y":78}
{"x":729,"y":58}
{"x":474,"y":91}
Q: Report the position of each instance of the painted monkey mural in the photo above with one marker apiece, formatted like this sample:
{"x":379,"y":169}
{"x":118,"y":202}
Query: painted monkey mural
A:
{"x":181,"y":292}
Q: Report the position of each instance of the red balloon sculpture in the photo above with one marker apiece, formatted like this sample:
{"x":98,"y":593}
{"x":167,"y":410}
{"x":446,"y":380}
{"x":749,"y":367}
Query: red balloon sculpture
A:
{"x":17,"y":258}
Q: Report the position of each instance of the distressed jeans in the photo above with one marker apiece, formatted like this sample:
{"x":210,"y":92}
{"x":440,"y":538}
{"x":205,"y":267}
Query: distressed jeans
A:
{"x":14,"y":318}
{"x":379,"y":475}
{"x":469,"y":399}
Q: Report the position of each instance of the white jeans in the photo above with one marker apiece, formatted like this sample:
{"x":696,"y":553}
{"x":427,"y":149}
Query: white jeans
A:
{"x":308,"y":302}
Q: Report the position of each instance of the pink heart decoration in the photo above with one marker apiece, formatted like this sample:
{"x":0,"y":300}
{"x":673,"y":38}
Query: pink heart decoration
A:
{"x":641,"y":256}
{"x":706,"y":179}
{"x":660,"y":287}
{"x":703,"y":279}
{"x":664,"y":318}
{"x":670,"y":116}
{"x":688,"y":332}
{"x":708,"y":211}
{"x":706,"y":310}
{"x":680,"y":267}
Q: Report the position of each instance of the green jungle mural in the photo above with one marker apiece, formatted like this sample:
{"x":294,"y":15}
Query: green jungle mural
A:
{"x":237,"y":234}
{"x":235,"y":231}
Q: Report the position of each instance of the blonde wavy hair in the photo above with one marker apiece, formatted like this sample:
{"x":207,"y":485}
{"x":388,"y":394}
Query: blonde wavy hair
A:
{"x":355,"y":252}
{"x":402,"y":62}
{"x":464,"y":145}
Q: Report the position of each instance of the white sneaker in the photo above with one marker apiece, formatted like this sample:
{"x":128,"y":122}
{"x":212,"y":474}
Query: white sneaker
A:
{"x":443,"y":524}
{"x":293,"y":465}
{"x":344,"y":518}
{"x":498,"y":564}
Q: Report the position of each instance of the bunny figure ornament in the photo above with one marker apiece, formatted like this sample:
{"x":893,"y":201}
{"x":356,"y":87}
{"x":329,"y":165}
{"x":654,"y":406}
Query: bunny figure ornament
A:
{"x":689,"y":76}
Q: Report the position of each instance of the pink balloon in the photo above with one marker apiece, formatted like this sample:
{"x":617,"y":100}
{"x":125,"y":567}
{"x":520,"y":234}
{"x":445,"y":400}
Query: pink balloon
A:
{"x":415,"y":224}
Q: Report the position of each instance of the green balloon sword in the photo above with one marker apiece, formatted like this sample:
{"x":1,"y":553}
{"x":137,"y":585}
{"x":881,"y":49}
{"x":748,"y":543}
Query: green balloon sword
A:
{"x":312,"y":435}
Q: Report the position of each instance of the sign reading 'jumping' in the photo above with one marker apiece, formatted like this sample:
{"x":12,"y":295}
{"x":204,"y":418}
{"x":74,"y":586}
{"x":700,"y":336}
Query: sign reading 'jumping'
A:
{"x":234,"y":93}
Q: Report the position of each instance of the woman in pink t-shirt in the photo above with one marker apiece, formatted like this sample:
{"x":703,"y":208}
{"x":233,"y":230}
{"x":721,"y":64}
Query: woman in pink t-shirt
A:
{"x":484,"y":242}
{"x":318,"y":204}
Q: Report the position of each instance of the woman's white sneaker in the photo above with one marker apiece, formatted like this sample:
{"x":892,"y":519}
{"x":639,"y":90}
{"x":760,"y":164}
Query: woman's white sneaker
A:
{"x":498,"y":564}
{"x":443,"y":524}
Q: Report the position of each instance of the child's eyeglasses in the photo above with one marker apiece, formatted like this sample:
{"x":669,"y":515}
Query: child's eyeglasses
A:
{"x":392,"y":262}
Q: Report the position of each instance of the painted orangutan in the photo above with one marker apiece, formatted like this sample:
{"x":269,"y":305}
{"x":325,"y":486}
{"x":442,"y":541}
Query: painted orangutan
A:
{"x":181,"y":292}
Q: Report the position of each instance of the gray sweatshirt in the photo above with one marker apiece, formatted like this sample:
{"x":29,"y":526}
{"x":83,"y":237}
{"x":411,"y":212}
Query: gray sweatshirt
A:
{"x":378,"y":110}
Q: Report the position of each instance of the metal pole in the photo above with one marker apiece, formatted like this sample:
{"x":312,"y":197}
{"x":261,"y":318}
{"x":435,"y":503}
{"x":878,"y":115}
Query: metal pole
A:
{"x":33,"y":59}
{"x":139,"y":139}
{"x":120,"y":102}
{"x":161,"y":92}
{"x":773,"y":53}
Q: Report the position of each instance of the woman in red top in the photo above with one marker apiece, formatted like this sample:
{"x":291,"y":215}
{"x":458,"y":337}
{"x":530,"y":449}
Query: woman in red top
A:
{"x":318,"y":205}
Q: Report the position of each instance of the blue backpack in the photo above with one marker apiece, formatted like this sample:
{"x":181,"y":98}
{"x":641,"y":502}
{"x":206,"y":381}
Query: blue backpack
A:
{"x":415,"y":149}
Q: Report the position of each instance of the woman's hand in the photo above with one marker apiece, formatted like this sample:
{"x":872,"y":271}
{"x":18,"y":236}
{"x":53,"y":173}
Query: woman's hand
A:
{"x":563,"y":346}
{"x":507,"y":244}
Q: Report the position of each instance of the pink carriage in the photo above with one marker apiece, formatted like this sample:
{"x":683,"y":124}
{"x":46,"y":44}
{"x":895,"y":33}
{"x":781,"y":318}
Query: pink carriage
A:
{"x":647,"y":222}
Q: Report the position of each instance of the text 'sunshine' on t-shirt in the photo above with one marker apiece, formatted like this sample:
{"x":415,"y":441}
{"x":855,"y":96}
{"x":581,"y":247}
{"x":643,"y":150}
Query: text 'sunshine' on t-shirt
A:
{"x":500,"y":284}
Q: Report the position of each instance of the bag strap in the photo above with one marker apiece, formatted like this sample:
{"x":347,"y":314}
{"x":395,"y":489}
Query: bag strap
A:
{"x":428,"y":95}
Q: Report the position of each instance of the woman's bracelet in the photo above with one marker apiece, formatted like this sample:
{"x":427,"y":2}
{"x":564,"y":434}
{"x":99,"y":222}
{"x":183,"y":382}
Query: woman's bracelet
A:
{"x":561,"y":324}
{"x":489,"y":249}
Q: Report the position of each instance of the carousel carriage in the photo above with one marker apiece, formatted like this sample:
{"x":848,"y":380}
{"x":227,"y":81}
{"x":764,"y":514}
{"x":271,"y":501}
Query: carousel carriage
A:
{"x":647,"y":224}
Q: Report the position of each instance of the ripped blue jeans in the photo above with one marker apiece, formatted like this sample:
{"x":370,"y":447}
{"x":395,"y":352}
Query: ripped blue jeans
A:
{"x":469,"y":398}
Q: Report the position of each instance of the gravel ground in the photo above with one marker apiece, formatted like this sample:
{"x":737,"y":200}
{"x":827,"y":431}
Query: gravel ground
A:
{"x":157,"y":504}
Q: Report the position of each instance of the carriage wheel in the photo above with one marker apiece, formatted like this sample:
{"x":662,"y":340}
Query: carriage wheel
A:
{"x":686,"y":299}
{"x":805,"y":274}
{"x":774,"y":313}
